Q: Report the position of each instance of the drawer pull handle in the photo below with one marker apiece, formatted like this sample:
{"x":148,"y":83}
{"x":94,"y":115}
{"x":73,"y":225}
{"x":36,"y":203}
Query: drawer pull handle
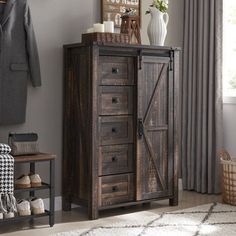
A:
{"x":114,"y":130}
{"x":115,"y":71}
{"x":114,"y":189}
{"x":114,"y":100}
{"x":114,"y":159}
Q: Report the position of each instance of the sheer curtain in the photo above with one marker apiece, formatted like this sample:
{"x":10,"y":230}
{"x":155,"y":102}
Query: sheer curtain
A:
{"x":202,"y":95}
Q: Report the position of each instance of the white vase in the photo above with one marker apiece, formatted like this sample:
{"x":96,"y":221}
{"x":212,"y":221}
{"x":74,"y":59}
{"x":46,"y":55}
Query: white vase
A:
{"x":157,"y":27}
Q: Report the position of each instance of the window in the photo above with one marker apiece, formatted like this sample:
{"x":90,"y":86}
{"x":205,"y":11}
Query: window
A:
{"x":229,"y":48}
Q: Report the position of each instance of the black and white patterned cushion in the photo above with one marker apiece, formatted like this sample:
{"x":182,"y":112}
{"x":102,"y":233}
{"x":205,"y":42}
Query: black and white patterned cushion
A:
{"x":4,"y":148}
{"x":6,"y":174}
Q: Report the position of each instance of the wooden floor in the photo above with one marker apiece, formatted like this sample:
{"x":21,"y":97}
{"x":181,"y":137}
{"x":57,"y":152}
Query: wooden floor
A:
{"x":67,"y":221}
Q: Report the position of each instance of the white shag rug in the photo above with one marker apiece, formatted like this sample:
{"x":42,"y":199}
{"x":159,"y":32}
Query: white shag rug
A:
{"x":210,"y":219}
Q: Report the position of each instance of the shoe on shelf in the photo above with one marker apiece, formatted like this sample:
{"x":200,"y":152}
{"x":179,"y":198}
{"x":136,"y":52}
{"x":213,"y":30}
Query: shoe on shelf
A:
{"x":23,"y":208}
{"x":8,"y":215}
{"x":37,"y":206}
{"x":35,"y":180}
{"x":23,"y":182}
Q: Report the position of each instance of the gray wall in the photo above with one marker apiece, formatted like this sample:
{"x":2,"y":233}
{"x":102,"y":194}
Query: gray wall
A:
{"x":56,"y":22}
{"x":59,"y":22}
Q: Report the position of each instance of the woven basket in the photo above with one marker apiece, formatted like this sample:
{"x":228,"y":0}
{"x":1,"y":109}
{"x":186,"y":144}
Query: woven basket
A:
{"x":229,"y":177}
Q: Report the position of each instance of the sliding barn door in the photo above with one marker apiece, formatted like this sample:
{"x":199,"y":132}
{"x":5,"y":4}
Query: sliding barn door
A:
{"x":155,"y":129}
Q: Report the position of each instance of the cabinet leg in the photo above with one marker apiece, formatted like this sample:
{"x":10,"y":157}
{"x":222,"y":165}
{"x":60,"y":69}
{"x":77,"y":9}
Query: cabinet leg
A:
{"x":147,"y":204}
{"x":66,"y":204}
{"x":93,"y":214}
{"x":174,"y":201}
{"x":51,"y":220}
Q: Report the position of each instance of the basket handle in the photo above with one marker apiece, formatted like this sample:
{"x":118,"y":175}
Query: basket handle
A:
{"x":224,"y":155}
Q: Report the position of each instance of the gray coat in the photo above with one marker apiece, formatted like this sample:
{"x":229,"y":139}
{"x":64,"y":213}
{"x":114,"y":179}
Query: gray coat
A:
{"x":18,"y":60}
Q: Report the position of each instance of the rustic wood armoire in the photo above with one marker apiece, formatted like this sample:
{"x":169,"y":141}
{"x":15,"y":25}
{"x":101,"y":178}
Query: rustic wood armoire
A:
{"x":120,"y":135}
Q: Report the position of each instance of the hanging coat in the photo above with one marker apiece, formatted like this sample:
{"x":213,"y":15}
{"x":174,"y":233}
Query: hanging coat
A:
{"x":18,"y":60}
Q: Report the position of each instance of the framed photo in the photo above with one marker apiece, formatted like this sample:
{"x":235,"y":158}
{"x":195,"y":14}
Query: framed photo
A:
{"x":112,"y":10}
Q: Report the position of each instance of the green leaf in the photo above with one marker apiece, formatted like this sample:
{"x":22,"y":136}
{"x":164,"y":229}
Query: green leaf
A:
{"x":161,"y":5}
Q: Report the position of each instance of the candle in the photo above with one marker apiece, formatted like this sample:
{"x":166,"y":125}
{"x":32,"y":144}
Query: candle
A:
{"x":90,"y":30}
{"x":109,"y":26}
{"x":98,"y":27}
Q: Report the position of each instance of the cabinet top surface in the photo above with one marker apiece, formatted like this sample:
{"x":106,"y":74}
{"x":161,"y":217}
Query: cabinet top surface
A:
{"x":37,"y":157}
{"x":118,"y":45}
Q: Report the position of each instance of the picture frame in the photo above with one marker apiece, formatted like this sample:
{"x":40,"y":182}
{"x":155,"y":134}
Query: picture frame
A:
{"x":112,"y":10}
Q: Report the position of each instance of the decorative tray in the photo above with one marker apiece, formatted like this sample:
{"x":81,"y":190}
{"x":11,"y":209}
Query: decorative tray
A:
{"x":105,"y":38}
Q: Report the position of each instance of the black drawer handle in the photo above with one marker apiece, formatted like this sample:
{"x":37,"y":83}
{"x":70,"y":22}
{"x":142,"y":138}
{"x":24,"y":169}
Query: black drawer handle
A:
{"x":114,"y":100}
{"x":114,"y":189}
{"x":114,"y":159}
{"x":114,"y":130}
{"x":115,"y":70}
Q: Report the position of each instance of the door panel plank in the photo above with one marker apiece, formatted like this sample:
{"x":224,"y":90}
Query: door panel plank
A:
{"x":152,"y":157}
{"x":163,"y":69}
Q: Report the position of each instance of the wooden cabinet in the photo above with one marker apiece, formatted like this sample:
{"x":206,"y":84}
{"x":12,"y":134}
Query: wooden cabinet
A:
{"x":120,"y":139}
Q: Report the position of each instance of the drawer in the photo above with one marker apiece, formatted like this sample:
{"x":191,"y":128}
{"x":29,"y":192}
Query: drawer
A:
{"x":116,"y":100}
{"x":116,"y":130}
{"x":116,"y":70}
{"x":115,"y":159}
{"x":115,"y":189}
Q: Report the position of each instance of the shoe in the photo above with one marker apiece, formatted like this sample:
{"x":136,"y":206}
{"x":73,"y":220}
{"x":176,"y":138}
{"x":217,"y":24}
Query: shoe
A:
{"x":23,"y":182}
{"x":37,"y":206}
{"x":23,"y":208}
{"x":8,"y":215}
{"x":35,"y":180}
{"x":1,"y":215}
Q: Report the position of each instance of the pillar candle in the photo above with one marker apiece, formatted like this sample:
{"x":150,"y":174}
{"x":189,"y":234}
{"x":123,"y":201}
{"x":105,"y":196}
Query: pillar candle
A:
{"x":109,"y":26}
{"x":98,"y":27}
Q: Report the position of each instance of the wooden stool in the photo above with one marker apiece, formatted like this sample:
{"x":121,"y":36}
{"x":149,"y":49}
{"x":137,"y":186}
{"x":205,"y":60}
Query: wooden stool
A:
{"x":130,"y":26}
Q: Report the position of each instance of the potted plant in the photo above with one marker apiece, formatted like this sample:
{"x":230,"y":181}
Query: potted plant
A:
{"x":157,"y":27}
